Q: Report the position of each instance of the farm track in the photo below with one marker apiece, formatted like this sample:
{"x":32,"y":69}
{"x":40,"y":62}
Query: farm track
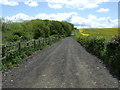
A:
{"x":65,"y":64}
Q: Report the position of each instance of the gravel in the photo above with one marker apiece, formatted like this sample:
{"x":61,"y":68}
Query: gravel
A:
{"x":65,"y":64}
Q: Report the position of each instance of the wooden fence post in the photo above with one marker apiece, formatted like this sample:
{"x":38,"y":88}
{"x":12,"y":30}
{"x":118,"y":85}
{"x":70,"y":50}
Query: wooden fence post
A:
{"x":46,"y":41}
{"x":3,"y":51}
{"x":53,"y":39}
{"x":28,"y":44}
{"x":19,"y":47}
{"x":49,"y":41}
{"x":34,"y":44}
{"x":58,"y":38}
{"x":42,"y":42}
{"x":39,"y":41}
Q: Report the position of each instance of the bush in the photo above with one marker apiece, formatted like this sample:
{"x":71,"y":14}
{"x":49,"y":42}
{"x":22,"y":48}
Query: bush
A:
{"x":12,"y":59}
{"x":109,"y":52}
{"x":94,"y":44}
{"x":113,"y":54}
{"x":34,"y":29}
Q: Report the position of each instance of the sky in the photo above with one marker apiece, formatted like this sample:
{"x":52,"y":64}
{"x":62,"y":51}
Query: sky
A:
{"x":81,"y":13}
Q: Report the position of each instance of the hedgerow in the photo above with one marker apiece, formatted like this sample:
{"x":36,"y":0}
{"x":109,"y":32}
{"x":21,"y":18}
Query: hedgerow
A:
{"x":108,"y":51}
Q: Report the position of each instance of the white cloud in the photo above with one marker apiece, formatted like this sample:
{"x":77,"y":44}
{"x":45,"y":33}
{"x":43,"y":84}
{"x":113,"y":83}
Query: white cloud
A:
{"x":92,"y":17}
{"x":10,"y":3}
{"x":89,"y":6}
{"x":91,"y":21}
{"x":103,"y":10}
{"x":79,"y":4}
{"x":31,"y":3}
{"x":57,"y":16}
{"x":55,"y":6}
{"x":18,"y":17}
{"x":63,"y":0}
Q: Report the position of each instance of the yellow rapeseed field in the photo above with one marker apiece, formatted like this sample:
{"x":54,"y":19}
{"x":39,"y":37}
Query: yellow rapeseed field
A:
{"x":81,"y":32}
{"x":107,"y":33}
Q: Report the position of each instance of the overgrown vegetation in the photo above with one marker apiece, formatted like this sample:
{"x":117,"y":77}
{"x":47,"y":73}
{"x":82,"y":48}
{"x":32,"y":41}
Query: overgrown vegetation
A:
{"x":104,"y":43}
{"x":13,"y":59}
{"x":14,"y":32}
{"x":34,"y":29}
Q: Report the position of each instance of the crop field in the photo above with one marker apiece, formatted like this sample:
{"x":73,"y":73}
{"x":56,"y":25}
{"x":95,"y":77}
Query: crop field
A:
{"x":107,"y":33}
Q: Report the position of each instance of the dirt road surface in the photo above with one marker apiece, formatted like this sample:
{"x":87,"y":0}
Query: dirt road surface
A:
{"x":65,"y":64}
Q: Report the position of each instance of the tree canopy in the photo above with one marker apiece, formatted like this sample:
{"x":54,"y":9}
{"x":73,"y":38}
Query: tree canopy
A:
{"x":34,"y":29}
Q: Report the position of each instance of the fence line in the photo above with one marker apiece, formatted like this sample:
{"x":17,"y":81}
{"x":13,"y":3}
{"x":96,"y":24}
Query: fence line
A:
{"x":19,"y":46}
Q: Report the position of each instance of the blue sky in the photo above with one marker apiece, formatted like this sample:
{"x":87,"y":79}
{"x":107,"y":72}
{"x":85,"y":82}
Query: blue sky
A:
{"x":94,"y":14}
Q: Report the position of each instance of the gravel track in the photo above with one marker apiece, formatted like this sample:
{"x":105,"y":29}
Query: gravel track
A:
{"x":65,"y":64}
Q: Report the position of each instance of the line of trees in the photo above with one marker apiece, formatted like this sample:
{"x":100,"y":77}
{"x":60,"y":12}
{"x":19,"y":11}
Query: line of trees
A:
{"x":34,"y":29}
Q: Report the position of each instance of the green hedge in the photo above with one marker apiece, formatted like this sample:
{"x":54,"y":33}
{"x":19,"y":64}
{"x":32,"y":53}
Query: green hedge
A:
{"x":94,"y":44}
{"x":113,"y":54}
{"x":109,"y":52}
